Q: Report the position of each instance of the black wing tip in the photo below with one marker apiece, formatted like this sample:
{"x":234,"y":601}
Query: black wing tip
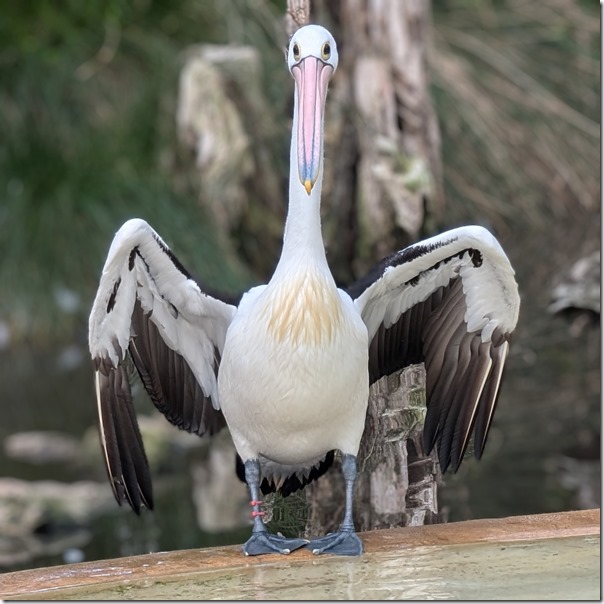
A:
{"x":121,"y":440}
{"x":124,"y":494}
{"x":137,"y":509}
{"x":480,"y":443}
{"x":447,"y":455}
{"x":450,"y":457}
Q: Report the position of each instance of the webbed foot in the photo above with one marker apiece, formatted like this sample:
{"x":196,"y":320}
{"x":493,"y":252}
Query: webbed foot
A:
{"x":263,"y":542}
{"x":343,"y":543}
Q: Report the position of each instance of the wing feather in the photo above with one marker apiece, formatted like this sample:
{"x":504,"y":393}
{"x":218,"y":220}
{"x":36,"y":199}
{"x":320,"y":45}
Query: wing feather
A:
{"x":148,"y":307}
{"x":122,"y":443}
{"x":488,"y":399}
{"x":442,"y":393}
{"x":478,"y":374}
{"x":452,"y":303}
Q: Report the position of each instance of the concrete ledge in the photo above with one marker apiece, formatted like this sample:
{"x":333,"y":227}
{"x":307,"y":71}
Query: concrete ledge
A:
{"x":62,"y":582}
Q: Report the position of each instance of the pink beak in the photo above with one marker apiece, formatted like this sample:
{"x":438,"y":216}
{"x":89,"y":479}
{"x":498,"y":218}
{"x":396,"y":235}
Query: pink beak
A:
{"x":311,"y":76}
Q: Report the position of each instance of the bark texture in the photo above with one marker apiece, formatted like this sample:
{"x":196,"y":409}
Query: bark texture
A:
{"x":382,"y":191}
{"x":226,"y":122}
{"x":398,"y":480}
{"x":383,"y":175}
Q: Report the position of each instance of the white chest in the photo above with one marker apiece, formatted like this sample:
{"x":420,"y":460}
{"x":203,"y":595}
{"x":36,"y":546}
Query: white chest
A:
{"x":293,"y":380}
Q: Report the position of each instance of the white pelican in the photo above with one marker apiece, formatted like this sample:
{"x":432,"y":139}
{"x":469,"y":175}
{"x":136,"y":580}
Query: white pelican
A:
{"x":289,"y":368}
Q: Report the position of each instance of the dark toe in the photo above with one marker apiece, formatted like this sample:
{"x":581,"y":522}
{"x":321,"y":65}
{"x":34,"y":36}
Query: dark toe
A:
{"x":266,"y":543}
{"x":342,"y":543}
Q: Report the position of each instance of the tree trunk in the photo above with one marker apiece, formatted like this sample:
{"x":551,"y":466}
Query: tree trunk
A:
{"x":382,"y":189}
{"x":383,"y":175}
{"x":397,"y":482}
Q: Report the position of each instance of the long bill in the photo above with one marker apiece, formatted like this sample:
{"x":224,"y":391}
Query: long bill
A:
{"x":312,"y":77}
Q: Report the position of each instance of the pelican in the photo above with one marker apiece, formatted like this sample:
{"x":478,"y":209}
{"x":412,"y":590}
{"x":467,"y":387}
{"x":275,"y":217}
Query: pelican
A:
{"x":288,"y":369}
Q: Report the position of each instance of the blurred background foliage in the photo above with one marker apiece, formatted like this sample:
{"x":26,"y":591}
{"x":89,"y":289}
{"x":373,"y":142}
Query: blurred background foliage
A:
{"x":87,"y":115}
{"x":87,"y":105}
{"x":87,"y":110}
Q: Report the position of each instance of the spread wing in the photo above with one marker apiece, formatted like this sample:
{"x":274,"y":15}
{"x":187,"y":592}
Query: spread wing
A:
{"x":149,"y":308}
{"x":452,"y":303}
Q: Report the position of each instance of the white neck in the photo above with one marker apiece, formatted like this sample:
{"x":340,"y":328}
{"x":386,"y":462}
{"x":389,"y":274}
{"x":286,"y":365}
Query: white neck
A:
{"x":302,"y":238}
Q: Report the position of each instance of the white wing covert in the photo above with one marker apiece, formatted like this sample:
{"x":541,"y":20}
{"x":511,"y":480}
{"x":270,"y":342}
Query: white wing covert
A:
{"x":452,"y":303}
{"x":148,"y":306}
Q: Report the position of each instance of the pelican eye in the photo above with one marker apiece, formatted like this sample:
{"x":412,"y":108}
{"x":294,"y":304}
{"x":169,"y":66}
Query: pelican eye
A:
{"x":326,"y":51}
{"x":296,"y":50}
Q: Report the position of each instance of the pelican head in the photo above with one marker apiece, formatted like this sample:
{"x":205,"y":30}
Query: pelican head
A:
{"x":312,"y":59}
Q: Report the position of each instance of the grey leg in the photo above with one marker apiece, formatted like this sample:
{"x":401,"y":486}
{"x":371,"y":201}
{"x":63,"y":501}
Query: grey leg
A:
{"x":349,"y":470}
{"x":261,"y":541}
{"x":345,"y":542}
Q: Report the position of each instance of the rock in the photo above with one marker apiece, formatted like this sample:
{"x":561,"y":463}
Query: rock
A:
{"x":41,"y":447}
{"x":22,"y":549}
{"x":577,"y":295}
{"x":582,"y":477}
{"x":27,"y":507}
